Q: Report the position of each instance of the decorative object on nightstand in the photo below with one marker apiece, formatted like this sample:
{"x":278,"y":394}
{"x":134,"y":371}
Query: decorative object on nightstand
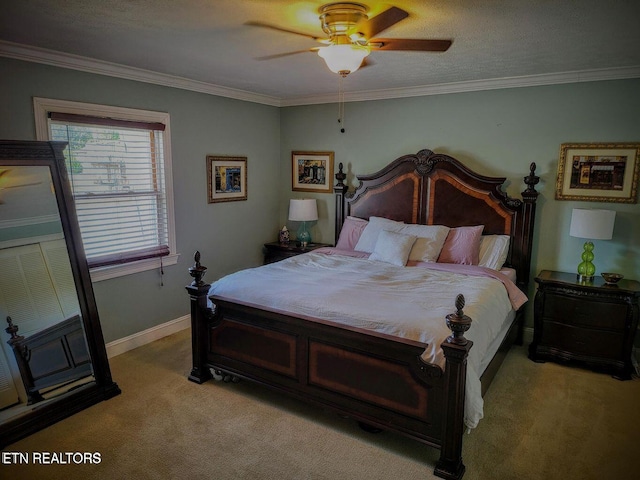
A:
{"x":303,"y":210}
{"x":590,"y":224}
{"x":611,"y":278}
{"x":283,"y":236}
{"x":592,"y":324}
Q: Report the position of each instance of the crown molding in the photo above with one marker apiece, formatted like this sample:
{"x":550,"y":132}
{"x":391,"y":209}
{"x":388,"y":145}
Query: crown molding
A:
{"x":472,"y":86}
{"x":84,"y":64}
{"x":76,"y":62}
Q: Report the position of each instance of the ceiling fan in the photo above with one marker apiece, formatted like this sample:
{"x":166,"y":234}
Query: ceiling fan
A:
{"x":352,"y":36}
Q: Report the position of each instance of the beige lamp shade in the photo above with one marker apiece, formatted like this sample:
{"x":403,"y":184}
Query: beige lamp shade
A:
{"x":592,"y":224}
{"x":303,"y":210}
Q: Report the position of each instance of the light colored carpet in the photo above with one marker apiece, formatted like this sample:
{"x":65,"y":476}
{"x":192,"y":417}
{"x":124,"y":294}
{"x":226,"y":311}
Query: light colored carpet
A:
{"x":542,"y":421}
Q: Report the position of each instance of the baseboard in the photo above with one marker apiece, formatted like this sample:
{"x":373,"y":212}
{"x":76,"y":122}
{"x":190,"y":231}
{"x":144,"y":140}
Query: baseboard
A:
{"x":152,"y":334}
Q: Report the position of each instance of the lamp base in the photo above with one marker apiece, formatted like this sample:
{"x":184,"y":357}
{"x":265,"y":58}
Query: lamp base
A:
{"x":586,"y":268}
{"x":303,"y":236}
{"x":585,"y":278}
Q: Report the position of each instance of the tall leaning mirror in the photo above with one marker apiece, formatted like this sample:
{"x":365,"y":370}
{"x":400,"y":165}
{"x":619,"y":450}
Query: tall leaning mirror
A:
{"x":53,"y":360}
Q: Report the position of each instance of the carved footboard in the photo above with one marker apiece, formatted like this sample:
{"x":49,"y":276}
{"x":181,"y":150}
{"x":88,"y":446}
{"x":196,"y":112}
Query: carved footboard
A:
{"x":51,"y":357}
{"x":373,"y":378}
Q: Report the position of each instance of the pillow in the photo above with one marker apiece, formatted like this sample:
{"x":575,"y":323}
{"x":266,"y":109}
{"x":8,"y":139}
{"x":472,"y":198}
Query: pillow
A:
{"x":462,"y":246}
{"x":367,"y":241}
{"x":429,"y":241}
{"x":493,"y":251}
{"x":392,"y":247}
{"x":350,"y":233}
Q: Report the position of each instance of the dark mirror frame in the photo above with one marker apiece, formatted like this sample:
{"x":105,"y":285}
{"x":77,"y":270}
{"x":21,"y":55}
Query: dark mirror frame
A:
{"x":50,"y":154}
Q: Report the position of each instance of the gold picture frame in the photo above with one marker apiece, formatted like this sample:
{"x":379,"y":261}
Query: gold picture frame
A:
{"x":226,"y":178}
{"x":312,"y":172}
{"x":598,"y":172}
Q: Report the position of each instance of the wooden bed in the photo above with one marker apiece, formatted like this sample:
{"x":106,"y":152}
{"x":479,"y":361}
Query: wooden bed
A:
{"x":376,"y":379}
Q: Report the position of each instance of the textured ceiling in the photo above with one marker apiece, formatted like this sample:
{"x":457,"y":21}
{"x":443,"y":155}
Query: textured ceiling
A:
{"x":207,"y":40}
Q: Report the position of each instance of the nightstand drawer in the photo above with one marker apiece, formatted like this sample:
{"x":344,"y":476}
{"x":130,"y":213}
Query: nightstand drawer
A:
{"x":582,"y":341}
{"x":585,"y":313}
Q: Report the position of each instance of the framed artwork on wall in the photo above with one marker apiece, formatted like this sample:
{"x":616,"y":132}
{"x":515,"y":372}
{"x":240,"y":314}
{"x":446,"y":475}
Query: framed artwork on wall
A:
{"x":312,"y":171}
{"x":598,"y":172}
{"x":226,"y":178}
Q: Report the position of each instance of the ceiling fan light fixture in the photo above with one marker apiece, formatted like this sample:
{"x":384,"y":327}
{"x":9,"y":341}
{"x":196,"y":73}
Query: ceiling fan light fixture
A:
{"x":344,"y":59}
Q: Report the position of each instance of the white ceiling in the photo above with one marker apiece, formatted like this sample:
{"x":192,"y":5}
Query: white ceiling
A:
{"x":205,"y":44}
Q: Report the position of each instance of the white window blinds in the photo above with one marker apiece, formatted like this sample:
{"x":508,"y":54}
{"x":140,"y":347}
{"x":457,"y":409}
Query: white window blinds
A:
{"x":116,"y":169}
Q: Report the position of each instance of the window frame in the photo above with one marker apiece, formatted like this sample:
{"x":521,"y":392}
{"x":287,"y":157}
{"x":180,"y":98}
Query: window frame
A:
{"x":43,"y":106}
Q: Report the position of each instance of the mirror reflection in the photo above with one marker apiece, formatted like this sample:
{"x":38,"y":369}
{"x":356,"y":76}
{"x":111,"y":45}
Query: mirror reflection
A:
{"x":43,"y":353}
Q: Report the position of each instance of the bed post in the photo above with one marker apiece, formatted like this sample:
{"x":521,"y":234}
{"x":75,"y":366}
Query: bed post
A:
{"x":525,"y":229}
{"x":456,"y":349}
{"x":200,"y":314}
{"x":340,"y":191}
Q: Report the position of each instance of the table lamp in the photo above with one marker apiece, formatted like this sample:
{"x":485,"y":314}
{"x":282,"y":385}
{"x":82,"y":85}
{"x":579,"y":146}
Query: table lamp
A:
{"x":303,"y":210}
{"x":590,"y":224}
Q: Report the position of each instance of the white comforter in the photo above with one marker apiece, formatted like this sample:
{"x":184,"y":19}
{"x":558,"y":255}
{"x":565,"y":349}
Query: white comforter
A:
{"x":409,"y":302}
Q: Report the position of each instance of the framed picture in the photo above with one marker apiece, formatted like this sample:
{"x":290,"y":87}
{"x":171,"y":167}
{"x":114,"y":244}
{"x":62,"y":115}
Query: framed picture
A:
{"x":598,"y":172}
{"x":226,"y":178}
{"x":312,"y":171}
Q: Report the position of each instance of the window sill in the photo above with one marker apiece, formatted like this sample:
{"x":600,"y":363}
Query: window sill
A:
{"x":113,"y":271}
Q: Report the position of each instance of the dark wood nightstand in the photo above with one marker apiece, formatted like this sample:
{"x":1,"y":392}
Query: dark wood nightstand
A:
{"x":276,"y":251}
{"x":593,"y":324}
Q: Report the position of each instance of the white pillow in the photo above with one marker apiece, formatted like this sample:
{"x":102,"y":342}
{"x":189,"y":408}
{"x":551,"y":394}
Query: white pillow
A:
{"x":493,"y":251}
{"x":392,"y":247}
{"x":429,"y":241}
{"x":369,"y":236}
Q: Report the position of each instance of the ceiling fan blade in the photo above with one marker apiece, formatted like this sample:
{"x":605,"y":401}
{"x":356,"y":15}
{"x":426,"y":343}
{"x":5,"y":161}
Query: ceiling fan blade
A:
{"x":367,"y":62}
{"x":375,"y":25}
{"x":285,"y":30}
{"x":286,"y":54}
{"x":409,"y":44}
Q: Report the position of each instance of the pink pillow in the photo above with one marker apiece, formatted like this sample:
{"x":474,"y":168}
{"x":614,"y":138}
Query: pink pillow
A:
{"x":462,"y":246}
{"x":350,"y":233}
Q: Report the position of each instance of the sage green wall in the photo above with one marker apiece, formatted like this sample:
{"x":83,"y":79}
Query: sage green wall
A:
{"x":497,"y":133}
{"x":229,"y":235}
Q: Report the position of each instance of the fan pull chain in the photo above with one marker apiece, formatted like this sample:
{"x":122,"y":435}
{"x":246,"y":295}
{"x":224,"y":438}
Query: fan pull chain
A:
{"x":341,"y":102}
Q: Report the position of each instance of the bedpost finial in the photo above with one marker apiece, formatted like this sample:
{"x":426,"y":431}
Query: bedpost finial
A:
{"x":459,"y":304}
{"x":340,"y":176}
{"x":197,"y":271}
{"x":13,"y":331}
{"x":458,"y":323}
{"x":532,"y":179}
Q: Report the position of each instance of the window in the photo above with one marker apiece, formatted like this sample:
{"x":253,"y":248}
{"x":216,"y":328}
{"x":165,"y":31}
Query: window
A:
{"x":118,"y":162}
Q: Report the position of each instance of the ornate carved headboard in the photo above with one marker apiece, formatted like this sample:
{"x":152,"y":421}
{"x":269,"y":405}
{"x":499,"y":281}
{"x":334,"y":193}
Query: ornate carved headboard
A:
{"x":436,"y":189}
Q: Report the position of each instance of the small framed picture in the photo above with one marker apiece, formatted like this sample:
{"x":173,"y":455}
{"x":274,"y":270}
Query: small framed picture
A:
{"x":598,"y":172}
{"x":312,"y":171}
{"x":226,"y":178}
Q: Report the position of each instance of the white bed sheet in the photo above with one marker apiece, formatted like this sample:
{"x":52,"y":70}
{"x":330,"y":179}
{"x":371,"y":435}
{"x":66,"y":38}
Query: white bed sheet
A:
{"x":410,"y":302}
